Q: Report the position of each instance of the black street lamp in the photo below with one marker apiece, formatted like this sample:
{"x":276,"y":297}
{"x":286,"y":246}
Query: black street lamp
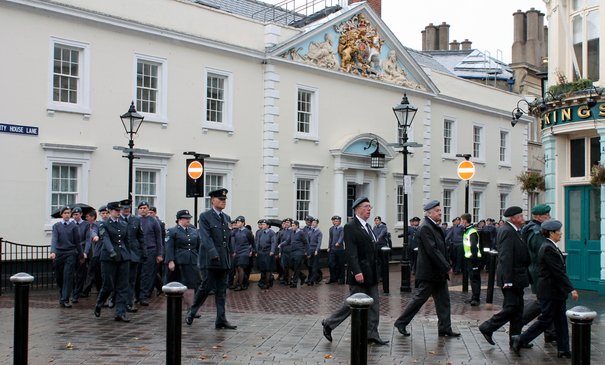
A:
{"x":376,"y":157}
{"x":405,"y":113}
{"x":131,"y":120}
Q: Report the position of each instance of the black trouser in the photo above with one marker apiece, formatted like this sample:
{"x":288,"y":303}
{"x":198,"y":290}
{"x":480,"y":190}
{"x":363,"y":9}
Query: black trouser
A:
{"x":93,"y":277}
{"x":552,"y":313}
{"x":512,"y":312}
{"x":215,"y":279}
{"x":441,"y":296}
{"x":80,"y":278}
{"x":474,"y":276}
{"x":115,"y":278}
{"x":65,"y":267}
{"x":531,"y":312}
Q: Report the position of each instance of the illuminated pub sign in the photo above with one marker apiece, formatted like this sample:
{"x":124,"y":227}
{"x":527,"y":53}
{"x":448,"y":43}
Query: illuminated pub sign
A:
{"x":572,"y":114}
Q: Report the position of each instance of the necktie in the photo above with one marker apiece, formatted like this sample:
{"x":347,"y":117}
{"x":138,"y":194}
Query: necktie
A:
{"x":222,"y":217}
{"x":370,"y":232}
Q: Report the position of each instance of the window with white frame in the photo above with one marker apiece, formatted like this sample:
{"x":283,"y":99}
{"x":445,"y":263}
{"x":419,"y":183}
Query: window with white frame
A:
{"x":447,"y":204}
{"x":145,"y":187}
{"x":477,"y":204}
{"x":151,"y":88}
{"x":64,"y":185}
{"x":69,"y":68}
{"x":303,"y":198}
{"x":504,"y":156}
{"x":448,"y":136}
{"x":400,"y":203}
{"x":212,"y":181}
{"x":503,"y":203}
{"x":478,"y":142}
{"x":306,"y":113}
{"x":585,"y":36}
{"x":218,"y":101}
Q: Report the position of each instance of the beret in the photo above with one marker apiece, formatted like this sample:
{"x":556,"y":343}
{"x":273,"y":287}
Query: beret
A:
{"x":430,"y":205}
{"x":551,"y":225}
{"x":309,"y":218}
{"x":218,"y":193}
{"x":336,"y":217}
{"x":265,"y":221}
{"x":241,"y":218}
{"x":358,"y":201}
{"x":181,"y":214}
{"x":511,"y":211}
{"x":415,"y":219}
{"x":287,"y":220}
{"x":144,"y":202}
{"x":76,"y":210}
{"x":540,"y":209}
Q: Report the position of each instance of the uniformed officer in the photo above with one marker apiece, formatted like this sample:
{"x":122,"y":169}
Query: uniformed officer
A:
{"x":182,"y":245}
{"x":315,"y":238}
{"x":214,"y":235}
{"x":299,"y":243}
{"x":137,"y":252}
{"x":472,"y":255}
{"x":115,"y":262}
{"x":65,"y":249}
{"x":336,"y":252}
{"x":93,"y":276}
{"x":82,"y":265}
{"x":242,"y":242}
{"x":284,"y":246}
{"x":265,"y":249}
{"x":154,"y":252}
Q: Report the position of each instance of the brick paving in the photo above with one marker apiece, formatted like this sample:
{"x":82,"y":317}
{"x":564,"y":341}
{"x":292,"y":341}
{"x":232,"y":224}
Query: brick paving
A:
{"x":277,"y":326}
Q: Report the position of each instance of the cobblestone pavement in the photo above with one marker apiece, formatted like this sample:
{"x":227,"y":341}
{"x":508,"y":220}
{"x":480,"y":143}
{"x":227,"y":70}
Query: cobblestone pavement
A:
{"x":277,"y":326}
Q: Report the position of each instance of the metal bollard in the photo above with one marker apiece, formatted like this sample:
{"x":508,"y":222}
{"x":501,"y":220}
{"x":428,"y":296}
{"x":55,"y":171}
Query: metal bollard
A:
{"x":174,"y":291}
{"x":22,"y":282}
{"x":385,"y":268}
{"x":359,"y":303}
{"x":581,"y":319}
{"x":491,"y":278}
{"x":465,"y":265}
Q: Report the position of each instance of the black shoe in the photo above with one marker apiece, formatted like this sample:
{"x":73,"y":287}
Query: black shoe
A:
{"x":97,"y":311}
{"x":327,"y":331}
{"x":449,"y":333}
{"x":188,"y":319}
{"x":84,"y":295}
{"x":330,"y":281}
{"x":293,"y":285}
{"x":111,"y":304}
{"x":403,"y":331}
{"x":487,"y":335}
{"x":516,"y":344}
{"x":225,"y":325}
{"x":121,"y":318}
{"x":549,"y":338}
{"x":131,"y":309}
{"x":237,"y":288}
{"x":378,"y":341}
{"x":474,"y":303}
{"x":565,"y":354}
{"x":75,"y":301}
{"x":65,"y":305}
{"x":144,"y":303}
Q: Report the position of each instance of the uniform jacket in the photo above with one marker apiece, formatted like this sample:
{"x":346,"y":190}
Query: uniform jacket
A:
{"x":182,"y":245}
{"x":336,"y":235}
{"x":315,"y":238}
{"x":65,"y":238}
{"x":215,"y":245}
{"x":242,"y":242}
{"x":554,"y":283}
{"x":152,"y":235}
{"x":380,"y":231}
{"x":135,"y":238}
{"x":534,"y":238}
{"x":114,"y":235}
{"x":298,"y":243}
{"x":513,"y":258}
{"x":361,"y":253}
{"x":82,"y":226}
{"x":412,"y":241}
{"x":284,"y":241}
{"x":91,"y":249}
{"x":265,"y":243}
{"x":431,"y":262}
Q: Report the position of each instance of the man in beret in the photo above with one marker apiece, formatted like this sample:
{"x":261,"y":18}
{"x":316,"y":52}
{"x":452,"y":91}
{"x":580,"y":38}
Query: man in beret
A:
{"x":283,"y":239}
{"x":82,"y":265}
{"x":65,"y":249}
{"x":336,"y":252}
{"x":216,"y":260}
{"x":362,"y":257}
{"x":432,"y":274}
{"x":534,"y":239}
{"x":152,"y":249}
{"x":511,"y":275}
{"x":413,"y":242}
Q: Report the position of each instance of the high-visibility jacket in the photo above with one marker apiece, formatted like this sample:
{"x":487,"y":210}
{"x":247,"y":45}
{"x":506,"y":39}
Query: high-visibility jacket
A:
{"x":466,"y":242}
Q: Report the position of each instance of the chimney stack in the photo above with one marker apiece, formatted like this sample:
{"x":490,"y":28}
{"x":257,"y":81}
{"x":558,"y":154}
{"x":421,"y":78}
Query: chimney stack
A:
{"x":466,"y":44}
{"x":444,"y":36}
{"x":376,"y":5}
{"x":454,"y":45}
{"x":431,"y":38}
{"x":530,"y":34}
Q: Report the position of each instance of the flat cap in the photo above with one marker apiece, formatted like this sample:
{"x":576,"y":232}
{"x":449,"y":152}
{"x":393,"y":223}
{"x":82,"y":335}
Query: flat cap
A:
{"x":432,"y":204}
{"x":113,"y":206}
{"x":511,"y":211}
{"x":287,"y":220}
{"x":540,"y":209}
{"x":335,"y":217}
{"x":415,"y":219}
{"x":77,"y":210}
{"x":358,"y":201}
{"x":219,"y":193}
{"x":125,"y":203}
{"x":182,"y":214}
{"x":103,"y":208}
{"x":551,"y":225}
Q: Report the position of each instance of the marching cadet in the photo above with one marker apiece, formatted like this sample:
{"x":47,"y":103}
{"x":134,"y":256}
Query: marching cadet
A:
{"x":115,"y":262}
{"x":299,"y":244}
{"x":336,"y":252}
{"x":182,"y":245}
{"x":93,"y":276}
{"x":214,"y":240}
{"x":284,"y":246}
{"x":265,"y":248}
{"x":65,"y":249}
{"x":315,"y":238}
{"x":153,"y":249}
{"x":82,"y":265}
{"x":137,"y":252}
{"x":242,"y":241}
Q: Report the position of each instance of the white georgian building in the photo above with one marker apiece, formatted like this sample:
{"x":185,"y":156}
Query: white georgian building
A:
{"x":283,"y":112}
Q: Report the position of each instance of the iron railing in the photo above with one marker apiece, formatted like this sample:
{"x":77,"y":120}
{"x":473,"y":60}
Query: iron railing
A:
{"x":32,"y":259}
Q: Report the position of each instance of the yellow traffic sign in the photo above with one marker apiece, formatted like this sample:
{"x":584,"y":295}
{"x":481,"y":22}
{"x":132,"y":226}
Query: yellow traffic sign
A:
{"x":466,"y":170}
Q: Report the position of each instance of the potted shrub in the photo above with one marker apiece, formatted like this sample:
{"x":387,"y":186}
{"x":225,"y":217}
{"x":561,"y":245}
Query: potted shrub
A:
{"x":531,"y":181}
{"x":597,"y":175}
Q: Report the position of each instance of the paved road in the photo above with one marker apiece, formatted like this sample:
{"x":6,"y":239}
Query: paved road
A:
{"x":277,"y":326}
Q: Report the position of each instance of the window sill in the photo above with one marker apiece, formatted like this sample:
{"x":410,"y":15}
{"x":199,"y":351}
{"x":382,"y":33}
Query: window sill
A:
{"x":207,"y":126}
{"x":302,"y":137}
{"x":449,"y":157}
{"x":53,"y":108}
{"x":504,"y":165}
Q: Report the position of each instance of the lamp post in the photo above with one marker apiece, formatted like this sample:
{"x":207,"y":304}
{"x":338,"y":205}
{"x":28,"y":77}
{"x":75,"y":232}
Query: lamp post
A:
{"x":405,"y":113}
{"x":131,"y":120}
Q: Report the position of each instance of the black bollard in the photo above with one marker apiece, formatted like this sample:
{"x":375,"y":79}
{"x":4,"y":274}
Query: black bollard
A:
{"x":174,"y":291}
{"x":22,"y":282}
{"x":359,"y":303}
{"x":385,"y":268}
{"x":491,"y":278}
{"x":581,"y":319}
{"x":465,"y":265}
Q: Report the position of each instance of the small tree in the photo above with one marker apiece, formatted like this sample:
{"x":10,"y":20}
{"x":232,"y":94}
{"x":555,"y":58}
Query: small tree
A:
{"x":597,"y":175}
{"x":531,"y":181}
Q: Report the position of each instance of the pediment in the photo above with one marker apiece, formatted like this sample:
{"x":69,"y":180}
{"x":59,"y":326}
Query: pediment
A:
{"x":356,"y":42}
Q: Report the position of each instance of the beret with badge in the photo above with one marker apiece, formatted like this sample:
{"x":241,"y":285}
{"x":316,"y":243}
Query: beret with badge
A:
{"x":512,"y":211}
{"x":551,"y":225}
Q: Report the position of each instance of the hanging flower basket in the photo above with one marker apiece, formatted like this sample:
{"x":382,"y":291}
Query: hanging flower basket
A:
{"x":531,"y":181}
{"x":597,"y":175}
